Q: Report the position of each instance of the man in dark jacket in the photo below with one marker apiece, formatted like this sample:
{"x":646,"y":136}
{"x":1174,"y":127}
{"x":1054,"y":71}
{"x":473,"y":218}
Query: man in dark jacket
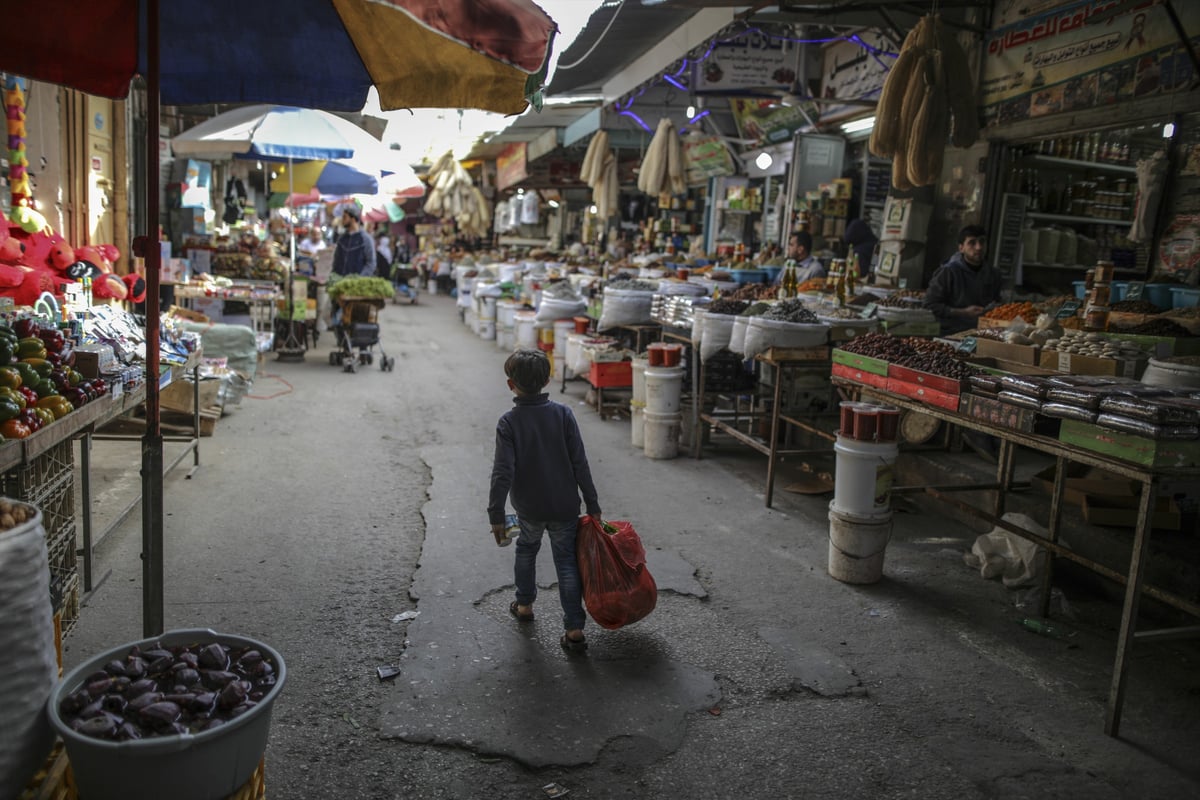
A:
{"x":963,"y":287}
{"x":355,"y":252}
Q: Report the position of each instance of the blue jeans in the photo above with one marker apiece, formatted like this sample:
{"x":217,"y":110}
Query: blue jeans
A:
{"x":562,"y":546}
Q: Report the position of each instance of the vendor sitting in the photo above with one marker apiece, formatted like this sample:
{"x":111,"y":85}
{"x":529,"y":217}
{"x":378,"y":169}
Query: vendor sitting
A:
{"x":963,"y":287}
{"x":799,"y":256}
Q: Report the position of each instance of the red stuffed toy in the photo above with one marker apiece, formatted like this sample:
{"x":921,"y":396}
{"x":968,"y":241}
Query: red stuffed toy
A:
{"x":137,"y":287}
{"x":109,"y":286}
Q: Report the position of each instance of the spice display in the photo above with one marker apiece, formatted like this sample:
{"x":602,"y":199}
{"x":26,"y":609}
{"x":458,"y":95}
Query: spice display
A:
{"x":1135,"y":307}
{"x":1095,"y":345}
{"x":790,"y":311}
{"x":752,"y":291}
{"x":633,"y":285}
{"x":1158,"y":327}
{"x":163,"y":691}
{"x":1026,"y":311}
{"x":724,"y":306}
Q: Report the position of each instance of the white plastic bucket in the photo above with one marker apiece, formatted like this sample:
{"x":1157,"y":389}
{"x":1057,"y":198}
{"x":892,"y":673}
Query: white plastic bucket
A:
{"x":664,"y":385}
{"x":504,"y":338}
{"x":526,"y":333}
{"x":863,"y":481}
{"x":472,"y":320}
{"x":857,"y":544}
{"x":562,"y":329}
{"x":637,"y":428}
{"x":487,"y":329}
{"x":505,"y":311}
{"x":488,"y":309}
{"x":661,"y":434}
{"x":639,"y":379}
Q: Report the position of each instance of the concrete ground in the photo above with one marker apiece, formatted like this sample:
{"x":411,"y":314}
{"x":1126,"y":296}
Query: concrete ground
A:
{"x":329,"y":503}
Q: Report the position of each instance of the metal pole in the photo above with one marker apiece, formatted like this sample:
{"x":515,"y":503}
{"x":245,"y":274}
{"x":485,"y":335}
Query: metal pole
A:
{"x":152,"y":443}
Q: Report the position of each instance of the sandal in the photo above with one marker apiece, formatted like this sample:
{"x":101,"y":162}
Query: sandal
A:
{"x":573,"y":645}
{"x":512,"y":609}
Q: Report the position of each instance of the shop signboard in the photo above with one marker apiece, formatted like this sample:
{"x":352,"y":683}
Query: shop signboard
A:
{"x":766,"y":121}
{"x":510,"y":165}
{"x":750,"y":60}
{"x":1082,"y":55}
{"x":854,"y":69}
{"x":706,"y":157}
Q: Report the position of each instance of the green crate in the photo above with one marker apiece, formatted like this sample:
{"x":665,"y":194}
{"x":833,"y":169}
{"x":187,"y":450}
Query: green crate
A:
{"x":876,"y":366}
{"x":1128,"y":447}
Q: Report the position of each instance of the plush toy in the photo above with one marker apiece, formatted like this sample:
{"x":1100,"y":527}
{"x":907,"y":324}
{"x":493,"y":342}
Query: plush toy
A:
{"x":137,"y":287}
{"x":12,"y":252}
{"x":62,"y":255}
{"x":29,"y":283}
{"x":111,"y":253}
{"x":111,"y":286}
{"x":92,"y":255}
{"x":28,"y":220}
{"x":37,"y":247}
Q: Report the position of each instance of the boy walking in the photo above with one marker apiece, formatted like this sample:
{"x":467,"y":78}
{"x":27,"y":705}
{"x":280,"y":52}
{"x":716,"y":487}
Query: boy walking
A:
{"x":541,"y":464}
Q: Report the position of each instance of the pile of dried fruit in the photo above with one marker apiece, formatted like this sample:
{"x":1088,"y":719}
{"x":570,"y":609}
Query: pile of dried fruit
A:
{"x":752,"y":291}
{"x":1135,"y":307}
{"x":900,"y":301}
{"x":812,"y":285}
{"x":935,"y":363}
{"x":790,"y":311}
{"x":1158,"y":327}
{"x":724,"y":306}
{"x":1026,"y":311}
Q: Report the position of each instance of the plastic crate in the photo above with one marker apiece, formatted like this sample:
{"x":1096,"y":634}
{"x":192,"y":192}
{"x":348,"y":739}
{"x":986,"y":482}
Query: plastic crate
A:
{"x":29,"y":482}
{"x":58,"y":508}
{"x":609,"y":374}
{"x":62,"y":550}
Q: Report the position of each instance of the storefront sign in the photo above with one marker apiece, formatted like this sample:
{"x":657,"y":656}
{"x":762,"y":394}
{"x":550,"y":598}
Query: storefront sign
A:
{"x":765,"y":121}
{"x":854,"y":72}
{"x":1078,"y":56}
{"x":510,"y":165}
{"x":749,"y":61}
{"x":706,"y":157}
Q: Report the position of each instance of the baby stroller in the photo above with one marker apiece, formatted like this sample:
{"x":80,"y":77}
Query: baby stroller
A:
{"x":357,"y":326}
{"x":405,"y":280}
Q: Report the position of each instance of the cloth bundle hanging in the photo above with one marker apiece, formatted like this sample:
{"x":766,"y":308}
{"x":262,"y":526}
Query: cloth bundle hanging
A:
{"x":662,"y":169}
{"x":1151,"y":177}
{"x":599,"y":172}
{"x":235,"y":200}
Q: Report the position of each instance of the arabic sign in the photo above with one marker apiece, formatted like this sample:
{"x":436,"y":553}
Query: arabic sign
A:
{"x":765,"y":121}
{"x":855,"y":72}
{"x":706,"y":157}
{"x":1073,"y":57}
{"x":749,"y":61}
{"x":510,"y":165}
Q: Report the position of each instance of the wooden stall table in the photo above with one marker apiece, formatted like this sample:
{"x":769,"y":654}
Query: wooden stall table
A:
{"x":1132,"y":578}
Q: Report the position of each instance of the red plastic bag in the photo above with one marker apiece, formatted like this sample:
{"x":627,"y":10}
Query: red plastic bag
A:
{"x":617,"y":588}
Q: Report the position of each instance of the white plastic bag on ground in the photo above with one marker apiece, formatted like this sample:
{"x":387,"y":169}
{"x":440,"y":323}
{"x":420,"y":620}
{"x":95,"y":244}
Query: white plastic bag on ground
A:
{"x":763,"y":334}
{"x":718,"y":328}
{"x":625,"y":307}
{"x":1001,"y":554}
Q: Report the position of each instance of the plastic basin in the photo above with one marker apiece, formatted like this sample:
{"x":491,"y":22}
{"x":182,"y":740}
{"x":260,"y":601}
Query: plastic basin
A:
{"x":1118,"y":290}
{"x":1158,"y":293}
{"x":202,"y":766}
{"x":742,"y":276}
{"x":772,"y":273}
{"x":1080,"y":289}
{"x":1183,"y":297}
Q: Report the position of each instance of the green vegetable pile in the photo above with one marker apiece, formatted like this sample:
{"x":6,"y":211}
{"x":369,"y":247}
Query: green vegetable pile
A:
{"x":357,"y":286}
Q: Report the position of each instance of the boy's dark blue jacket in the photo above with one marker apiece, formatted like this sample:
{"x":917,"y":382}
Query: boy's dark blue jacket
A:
{"x":541,"y":463}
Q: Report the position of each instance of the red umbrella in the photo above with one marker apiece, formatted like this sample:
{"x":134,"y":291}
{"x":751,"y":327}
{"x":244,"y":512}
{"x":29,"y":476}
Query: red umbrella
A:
{"x":488,"y":54}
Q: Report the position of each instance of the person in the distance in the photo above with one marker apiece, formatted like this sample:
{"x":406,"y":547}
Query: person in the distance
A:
{"x":965,"y":286}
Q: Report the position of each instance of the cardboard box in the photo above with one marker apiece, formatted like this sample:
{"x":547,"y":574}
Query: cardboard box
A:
{"x":179,"y":396}
{"x":1016,"y":353}
{"x":1005,"y":415}
{"x":1082,"y":481}
{"x":1127,"y":447}
{"x":1087,"y":365}
{"x":1122,"y":512}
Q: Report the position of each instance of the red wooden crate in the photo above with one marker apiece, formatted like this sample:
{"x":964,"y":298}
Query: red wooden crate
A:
{"x":609,"y":374}
{"x":859,"y":376}
{"x":936,"y":382}
{"x":923,"y":393}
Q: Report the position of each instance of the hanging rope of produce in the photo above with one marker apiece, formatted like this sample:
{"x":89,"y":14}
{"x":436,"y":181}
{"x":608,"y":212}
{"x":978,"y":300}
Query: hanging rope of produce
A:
{"x":662,"y":170}
{"x":927,"y":100}
{"x":599,"y":171}
{"x":454,"y":196}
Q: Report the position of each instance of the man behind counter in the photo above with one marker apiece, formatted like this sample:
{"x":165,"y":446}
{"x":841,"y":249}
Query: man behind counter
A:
{"x":799,"y":252}
{"x":963,"y":287}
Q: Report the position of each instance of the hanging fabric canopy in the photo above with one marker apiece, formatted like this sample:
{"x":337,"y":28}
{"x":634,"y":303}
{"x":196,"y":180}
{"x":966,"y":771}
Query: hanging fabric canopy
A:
{"x":487,"y":54}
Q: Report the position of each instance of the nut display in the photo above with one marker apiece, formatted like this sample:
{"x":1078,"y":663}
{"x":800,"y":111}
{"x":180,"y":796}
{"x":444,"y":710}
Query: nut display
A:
{"x":1135,"y":307}
{"x":878,"y":345}
{"x":724,"y":306}
{"x":790,"y":311}
{"x":1095,"y":345}
{"x":938,"y":363}
{"x":1158,"y":327}
{"x":13,"y":514}
{"x":163,"y":691}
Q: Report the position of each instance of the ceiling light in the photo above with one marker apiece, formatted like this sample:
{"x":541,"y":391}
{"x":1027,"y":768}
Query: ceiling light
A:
{"x":691,"y":112}
{"x":763,"y":161}
{"x":593,"y":209}
{"x":553,"y":203}
{"x":258,"y":165}
{"x":1168,"y":130}
{"x":859,"y":125}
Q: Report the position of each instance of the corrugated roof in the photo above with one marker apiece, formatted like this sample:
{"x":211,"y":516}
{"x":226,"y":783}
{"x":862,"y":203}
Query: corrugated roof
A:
{"x":637,"y":29}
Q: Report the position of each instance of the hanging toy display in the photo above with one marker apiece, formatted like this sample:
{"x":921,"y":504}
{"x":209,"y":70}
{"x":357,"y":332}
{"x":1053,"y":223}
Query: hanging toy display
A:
{"x":14,"y":111}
